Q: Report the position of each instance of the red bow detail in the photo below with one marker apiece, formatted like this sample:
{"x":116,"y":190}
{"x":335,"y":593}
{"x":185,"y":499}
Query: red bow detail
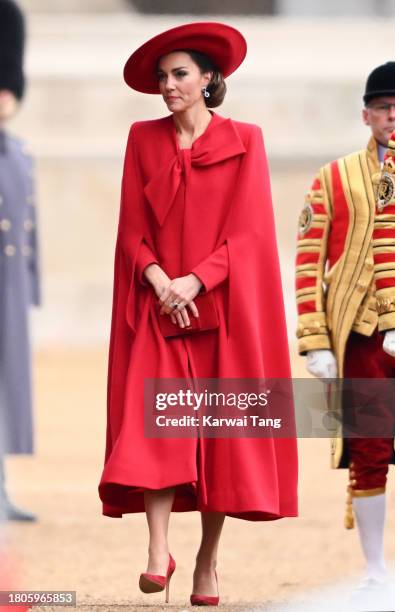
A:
{"x":217,"y":143}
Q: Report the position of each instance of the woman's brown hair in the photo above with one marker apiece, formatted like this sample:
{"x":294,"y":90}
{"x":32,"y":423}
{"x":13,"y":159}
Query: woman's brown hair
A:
{"x":217,"y":85}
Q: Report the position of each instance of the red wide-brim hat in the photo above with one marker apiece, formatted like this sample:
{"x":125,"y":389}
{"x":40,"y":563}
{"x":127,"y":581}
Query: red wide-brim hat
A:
{"x":223,"y":44}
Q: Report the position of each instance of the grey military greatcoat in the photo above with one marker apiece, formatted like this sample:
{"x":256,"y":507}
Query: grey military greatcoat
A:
{"x":19,"y":288}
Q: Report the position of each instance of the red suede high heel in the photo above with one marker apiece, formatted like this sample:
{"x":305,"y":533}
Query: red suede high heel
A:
{"x":153,"y":583}
{"x":205,"y":600}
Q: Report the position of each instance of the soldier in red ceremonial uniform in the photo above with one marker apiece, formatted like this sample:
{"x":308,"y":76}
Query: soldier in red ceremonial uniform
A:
{"x":346,"y":311}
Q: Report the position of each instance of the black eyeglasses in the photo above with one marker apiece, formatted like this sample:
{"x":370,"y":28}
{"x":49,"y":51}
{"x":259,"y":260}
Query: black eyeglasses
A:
{"x":382,"y":107}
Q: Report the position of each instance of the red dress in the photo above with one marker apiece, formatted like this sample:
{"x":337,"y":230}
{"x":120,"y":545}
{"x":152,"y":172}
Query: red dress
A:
{"x":205,"y":210}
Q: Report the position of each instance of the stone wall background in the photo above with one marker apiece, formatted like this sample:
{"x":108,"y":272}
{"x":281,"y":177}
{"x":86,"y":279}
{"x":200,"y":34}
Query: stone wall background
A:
{"x":302,"y":81}
{"x":59,"y":7}
{"x":304,"y":8}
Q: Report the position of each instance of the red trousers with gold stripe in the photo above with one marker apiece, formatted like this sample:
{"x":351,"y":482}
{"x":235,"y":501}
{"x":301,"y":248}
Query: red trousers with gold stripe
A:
{"x":368,"y":457}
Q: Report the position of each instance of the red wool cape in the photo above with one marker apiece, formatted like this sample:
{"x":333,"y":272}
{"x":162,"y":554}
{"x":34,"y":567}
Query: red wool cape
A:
{"x":205,"y":210}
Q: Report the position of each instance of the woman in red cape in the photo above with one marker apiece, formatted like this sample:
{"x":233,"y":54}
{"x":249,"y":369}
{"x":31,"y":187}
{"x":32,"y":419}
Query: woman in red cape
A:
{"x":196,"y":218}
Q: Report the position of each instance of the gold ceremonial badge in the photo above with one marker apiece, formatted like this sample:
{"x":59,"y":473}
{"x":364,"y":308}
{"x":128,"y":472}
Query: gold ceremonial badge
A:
{"x":385,"y":191}
{"x":305,"y":219}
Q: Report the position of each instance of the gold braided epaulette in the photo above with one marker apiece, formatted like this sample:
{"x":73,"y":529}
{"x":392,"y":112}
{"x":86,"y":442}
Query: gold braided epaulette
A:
{"x":384,"y":305}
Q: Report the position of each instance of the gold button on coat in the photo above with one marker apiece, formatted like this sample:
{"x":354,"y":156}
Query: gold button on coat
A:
{"x":9,"y":250}
{"x":28,"y":225}
{"x":5,"y":225}
{"x":26,"y":250}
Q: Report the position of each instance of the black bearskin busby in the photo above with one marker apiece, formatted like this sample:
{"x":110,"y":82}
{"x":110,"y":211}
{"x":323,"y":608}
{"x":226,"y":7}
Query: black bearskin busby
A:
{"x":12,"y":42}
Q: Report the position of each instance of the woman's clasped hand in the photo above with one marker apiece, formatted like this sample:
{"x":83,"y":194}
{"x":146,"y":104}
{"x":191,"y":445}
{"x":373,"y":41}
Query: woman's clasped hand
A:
{"x":176,"y":295}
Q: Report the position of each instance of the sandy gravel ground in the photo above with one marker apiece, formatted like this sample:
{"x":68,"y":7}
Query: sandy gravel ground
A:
{"x":73,"y":547}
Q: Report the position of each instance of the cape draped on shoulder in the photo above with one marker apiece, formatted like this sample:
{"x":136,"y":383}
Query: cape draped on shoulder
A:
{"x":205,"y":210}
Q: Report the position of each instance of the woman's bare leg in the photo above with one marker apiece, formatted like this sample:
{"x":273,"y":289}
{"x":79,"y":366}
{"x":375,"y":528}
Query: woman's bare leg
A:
{"x":158,"y":506}
{"x":206,"y":559}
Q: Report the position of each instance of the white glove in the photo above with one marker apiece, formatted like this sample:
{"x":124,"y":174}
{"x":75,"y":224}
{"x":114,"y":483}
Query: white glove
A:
{"x":322,"y":363}
{"x":389,"y":342}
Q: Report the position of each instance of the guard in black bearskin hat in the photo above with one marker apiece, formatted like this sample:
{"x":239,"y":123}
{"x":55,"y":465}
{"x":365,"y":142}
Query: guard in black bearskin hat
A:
{"x":19,"y":278}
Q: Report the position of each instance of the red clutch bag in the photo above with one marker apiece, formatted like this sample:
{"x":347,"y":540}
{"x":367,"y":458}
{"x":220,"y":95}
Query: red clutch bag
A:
{"x":207,"y":319}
